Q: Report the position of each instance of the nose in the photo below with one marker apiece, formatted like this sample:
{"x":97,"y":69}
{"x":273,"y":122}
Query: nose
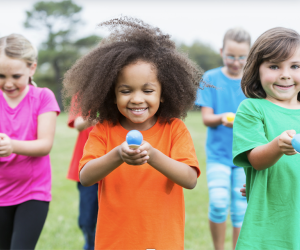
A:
{"x":8,"y":84}
{"x":236,"y":63}
{"x":285,"y":75}
{"x":137,"y":98}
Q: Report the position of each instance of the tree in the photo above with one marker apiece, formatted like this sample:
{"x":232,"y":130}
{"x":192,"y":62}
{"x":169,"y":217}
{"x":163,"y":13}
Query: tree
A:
{"x":59,"y":51}
{"x":203,"y":55}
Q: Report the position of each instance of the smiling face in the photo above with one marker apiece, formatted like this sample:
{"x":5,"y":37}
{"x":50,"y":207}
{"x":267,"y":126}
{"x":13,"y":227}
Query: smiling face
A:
{"x":281,"y":81}
{"x":14,"y":77}
{"x":138,"y":95}
{"x":234,"y":56}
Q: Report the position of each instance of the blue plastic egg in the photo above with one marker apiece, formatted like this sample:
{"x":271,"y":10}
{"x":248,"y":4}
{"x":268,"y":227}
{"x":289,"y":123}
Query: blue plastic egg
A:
{"x":296,"y":142}
{"x":134,"y":138}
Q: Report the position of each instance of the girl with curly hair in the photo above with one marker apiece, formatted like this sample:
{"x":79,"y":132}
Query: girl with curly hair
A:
{"x":136,"y":79}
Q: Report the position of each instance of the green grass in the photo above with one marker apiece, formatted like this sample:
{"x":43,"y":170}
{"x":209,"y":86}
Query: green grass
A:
{"x":61,"y":230}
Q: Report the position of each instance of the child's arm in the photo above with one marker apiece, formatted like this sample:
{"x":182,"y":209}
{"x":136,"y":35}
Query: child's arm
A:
{"x":81,"y":124}
{"x":180,"y":173}
{"x":267,"y":155}
{"x":212,"y":120}
{"x":39,"y":147}
{"x":98,"y":168}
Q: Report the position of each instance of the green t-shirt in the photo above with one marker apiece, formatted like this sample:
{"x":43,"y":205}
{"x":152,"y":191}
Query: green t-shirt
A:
{"x":272,"y":219}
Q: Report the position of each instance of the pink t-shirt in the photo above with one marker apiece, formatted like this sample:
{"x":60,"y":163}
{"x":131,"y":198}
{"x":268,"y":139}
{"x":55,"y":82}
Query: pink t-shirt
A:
{"x":24,"y":178}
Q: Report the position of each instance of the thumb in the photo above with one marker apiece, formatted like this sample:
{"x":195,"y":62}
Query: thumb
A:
{"x":291,"y":133}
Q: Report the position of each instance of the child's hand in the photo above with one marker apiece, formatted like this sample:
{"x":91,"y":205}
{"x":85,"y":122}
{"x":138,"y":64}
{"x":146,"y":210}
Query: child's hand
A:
{"x":285,"y":142}
{"x":137,"y":156}
{"x":225,"y":121}
{"x":243,"y":190}
{"x":6,"y":147}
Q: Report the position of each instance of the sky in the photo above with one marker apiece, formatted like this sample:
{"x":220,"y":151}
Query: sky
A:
{"x":185,"y":20}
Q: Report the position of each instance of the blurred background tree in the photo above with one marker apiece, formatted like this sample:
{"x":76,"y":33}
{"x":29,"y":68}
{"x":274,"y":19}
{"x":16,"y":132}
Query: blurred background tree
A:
{"x":203,"y":55}
{"x":59,"y":20}
{"x":58,"y":23}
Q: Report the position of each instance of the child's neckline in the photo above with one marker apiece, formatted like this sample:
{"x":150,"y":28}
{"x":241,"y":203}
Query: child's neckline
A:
{"x":24,"y":97}
{"x":146,"y":133}
{"x":280,"y":107}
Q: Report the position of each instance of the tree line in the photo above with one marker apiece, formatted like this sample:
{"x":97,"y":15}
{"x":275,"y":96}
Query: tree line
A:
{"x":59,"y":50}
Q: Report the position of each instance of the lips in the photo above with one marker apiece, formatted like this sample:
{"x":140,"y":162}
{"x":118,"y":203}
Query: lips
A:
{"x":284,"y":87}
{"x":138,"y":111}
{"x":9,"y":90}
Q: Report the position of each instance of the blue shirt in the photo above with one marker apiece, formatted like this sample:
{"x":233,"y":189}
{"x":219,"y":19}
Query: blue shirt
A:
{"x":226,"y":97}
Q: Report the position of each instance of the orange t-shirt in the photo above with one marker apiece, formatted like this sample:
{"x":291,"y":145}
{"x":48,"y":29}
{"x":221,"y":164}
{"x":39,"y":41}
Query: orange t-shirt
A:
{"x":140,"y":208}
{"x":78,"y":149}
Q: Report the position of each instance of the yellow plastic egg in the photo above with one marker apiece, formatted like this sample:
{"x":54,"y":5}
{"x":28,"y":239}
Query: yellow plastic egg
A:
{"x":230,"y":117}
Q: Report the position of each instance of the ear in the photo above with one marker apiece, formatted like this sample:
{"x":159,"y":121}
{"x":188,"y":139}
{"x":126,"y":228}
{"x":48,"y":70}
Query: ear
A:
{"x":162,"y":99}
{"x":32,"y":69}
{"x":221,"y":52}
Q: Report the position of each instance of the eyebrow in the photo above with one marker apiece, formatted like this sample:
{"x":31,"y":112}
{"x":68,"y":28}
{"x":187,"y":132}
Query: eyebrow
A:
{"x":145,"y":85}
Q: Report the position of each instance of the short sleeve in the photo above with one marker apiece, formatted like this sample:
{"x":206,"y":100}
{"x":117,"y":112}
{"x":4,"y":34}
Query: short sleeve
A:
{"x":183,"y":149}
{"x":248,"y":132}
{"x":204,"y":94}
{"x":48,"y":102}
{"x":95,"y":146}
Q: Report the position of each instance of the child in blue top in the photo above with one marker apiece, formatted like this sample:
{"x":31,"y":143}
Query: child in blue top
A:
{"x":263,"y":129}
{"x":224,"y":179}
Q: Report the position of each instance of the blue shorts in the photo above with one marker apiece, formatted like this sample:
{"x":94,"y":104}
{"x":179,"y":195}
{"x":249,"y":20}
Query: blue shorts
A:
{"x":224,"y":184}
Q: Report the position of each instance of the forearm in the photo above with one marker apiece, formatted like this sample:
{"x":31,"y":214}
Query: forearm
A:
{"x":212,"y":120}
{"x":95,"y":170}
{"x":265,"y":156}
{"x":180,"y":173}
{"x":36,"y":148}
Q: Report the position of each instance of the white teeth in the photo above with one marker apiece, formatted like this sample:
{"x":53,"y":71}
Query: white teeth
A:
{"x":138,"y":110}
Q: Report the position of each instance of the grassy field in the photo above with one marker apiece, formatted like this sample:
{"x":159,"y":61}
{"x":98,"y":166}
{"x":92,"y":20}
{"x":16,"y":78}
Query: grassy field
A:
{"x":61,"y":230}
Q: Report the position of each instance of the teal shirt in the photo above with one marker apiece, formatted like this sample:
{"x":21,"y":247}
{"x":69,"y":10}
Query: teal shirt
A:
{"x":272,"y":219}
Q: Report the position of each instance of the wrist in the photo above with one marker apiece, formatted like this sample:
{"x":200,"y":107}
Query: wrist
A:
{"x":277,"y":147}
{"x":12,"y":145}
{"x":152,"y":155}
{"x":118,"y":150}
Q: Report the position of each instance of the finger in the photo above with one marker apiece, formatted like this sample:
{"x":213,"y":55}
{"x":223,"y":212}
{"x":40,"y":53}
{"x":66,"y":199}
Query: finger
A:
{"x":131,"y":152}
{"x":291,"y":152}
{"x":291,"y":133}
{"x":136,"y":156}
{"x":140,"y":161}
{"x":287,"y":144}
{"x":244,"y":185}
{"x":3,"y":153}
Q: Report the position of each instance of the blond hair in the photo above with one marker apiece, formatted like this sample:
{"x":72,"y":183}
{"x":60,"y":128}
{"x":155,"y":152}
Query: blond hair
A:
{"x":238,"y":35}
{"x":18,"y":47}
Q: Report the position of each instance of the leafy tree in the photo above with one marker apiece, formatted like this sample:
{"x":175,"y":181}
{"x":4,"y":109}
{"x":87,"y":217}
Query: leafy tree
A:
{"x":203,"y":55}
{"x":58,"y":20}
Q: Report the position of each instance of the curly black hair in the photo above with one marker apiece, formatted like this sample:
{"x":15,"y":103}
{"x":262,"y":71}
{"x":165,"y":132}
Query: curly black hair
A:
{"x":93,"y":78}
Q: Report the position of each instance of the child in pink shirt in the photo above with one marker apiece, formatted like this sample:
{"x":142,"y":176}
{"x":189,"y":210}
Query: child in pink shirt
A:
{"x":27,"y":127}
